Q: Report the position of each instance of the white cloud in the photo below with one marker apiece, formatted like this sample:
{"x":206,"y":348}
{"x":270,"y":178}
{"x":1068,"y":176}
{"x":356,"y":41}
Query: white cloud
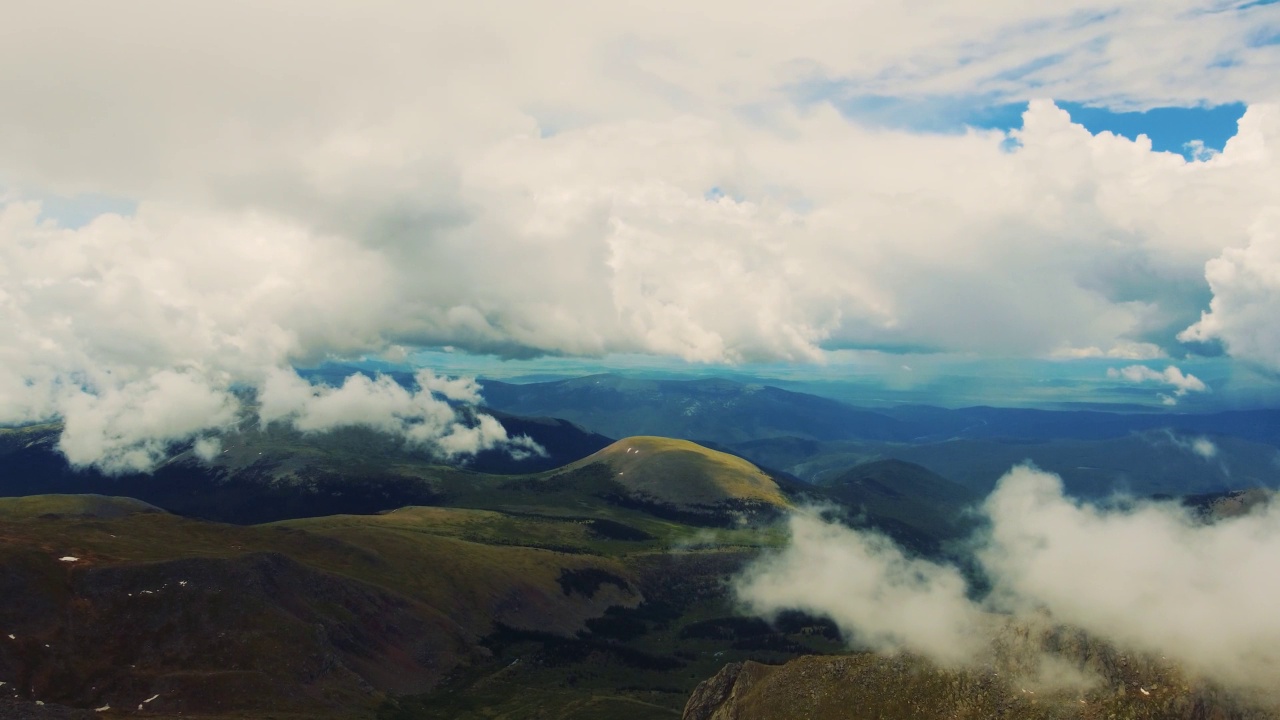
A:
{"x":207,"y":448}
{"x":1204,"y":447}
{"x":875,"y":593}
{"x":419,"y":416}
{"x":1150,"y":578}
{"x":131,"y":427}
{"x":1124,"y":350}
{"x":1246,"y":296}
{"x":1170,"y":376}
{"x":514,"y":180}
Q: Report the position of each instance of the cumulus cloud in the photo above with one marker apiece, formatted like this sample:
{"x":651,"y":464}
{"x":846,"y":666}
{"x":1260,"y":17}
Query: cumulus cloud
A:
{"x":1170,"y":376}
{"x":1151,"y":578}
{"x":1148,"y":577}
{"x":1246,"y":296}
{"x":497,"y":180}
{"x":130,"y":427}
{"x":418,"y":416}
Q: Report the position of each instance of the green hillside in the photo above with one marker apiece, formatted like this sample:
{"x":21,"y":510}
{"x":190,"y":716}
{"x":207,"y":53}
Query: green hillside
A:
{"x":568,"y":592}
{"x":906,"y":499}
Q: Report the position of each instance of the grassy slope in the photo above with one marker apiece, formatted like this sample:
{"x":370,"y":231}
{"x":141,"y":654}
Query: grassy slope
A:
{"x":501,"y":566}
{"x":683,"y":473}
{"x":82,"y":506}
{"x":908,"y":496}
{"x":457,"y":586}
{"x":501,"y":559}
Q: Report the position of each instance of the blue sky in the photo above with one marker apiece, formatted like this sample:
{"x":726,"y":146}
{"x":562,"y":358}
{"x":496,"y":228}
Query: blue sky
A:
{"x":1170,"y":129}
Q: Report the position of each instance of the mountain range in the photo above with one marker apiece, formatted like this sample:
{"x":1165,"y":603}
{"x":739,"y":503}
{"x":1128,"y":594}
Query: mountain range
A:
{"x":345,"y":574}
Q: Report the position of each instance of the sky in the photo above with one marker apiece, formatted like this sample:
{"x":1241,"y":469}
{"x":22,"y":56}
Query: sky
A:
{"x":198,"y":197}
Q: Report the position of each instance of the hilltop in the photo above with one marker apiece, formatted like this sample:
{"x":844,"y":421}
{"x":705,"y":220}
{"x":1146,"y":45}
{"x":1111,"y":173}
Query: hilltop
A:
{"x":684,"y":476}
{"x":907,"y":498}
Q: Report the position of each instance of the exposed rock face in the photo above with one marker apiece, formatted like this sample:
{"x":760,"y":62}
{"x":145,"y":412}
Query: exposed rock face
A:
{"x":718,"y":698}
{"x":889,"y":688}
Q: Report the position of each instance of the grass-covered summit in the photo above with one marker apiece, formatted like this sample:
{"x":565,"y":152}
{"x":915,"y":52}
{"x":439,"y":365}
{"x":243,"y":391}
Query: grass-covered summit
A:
{"x":683,"y":474}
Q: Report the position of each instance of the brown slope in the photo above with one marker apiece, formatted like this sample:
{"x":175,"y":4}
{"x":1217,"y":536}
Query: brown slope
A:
{"x":221,"y":619}
{"x":684,"y":474}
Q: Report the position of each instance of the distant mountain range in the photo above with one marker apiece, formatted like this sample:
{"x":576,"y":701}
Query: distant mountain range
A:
{"x":813,"y":438}
{"x":1146,"y":463}
{"x":714,"y":410}
{"x":728,"y":412}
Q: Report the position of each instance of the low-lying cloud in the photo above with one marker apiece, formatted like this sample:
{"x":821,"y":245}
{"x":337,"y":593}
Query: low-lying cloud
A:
{"x":869,"y":587}
{"x":421,"y":417}
{"x":133,"y":426}
{"x":1171,"y":376}
{"x":1148,"y":577}
{"x":1200,"y":446}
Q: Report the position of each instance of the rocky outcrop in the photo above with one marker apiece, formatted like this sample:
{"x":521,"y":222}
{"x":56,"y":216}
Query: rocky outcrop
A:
{"x":727,"y":692}
{"x":910,"y":688}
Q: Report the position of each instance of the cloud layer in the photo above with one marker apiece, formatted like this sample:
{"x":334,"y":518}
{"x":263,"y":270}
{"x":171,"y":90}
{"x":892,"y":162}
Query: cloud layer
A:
{"x":308,"y":181}
{"x":1149,"y":578}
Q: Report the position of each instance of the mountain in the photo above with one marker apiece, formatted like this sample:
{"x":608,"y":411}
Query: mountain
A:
{"x":982,"y":422}
{"x":562,"y":440}
{"x":595,"y":590}
{"x":684,"y":477}
{"x":730,"y":412}
{"x":1035,"y":673}
{"x":599,"y":584}
{"x":326,"y":617}
{"x":907,"y":500}
{"x":262,"y":475}
{"x":323,"y":616}
{"x":711,"y":409}
{"x":101,"y":507}
{"x":1155,"y":462}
